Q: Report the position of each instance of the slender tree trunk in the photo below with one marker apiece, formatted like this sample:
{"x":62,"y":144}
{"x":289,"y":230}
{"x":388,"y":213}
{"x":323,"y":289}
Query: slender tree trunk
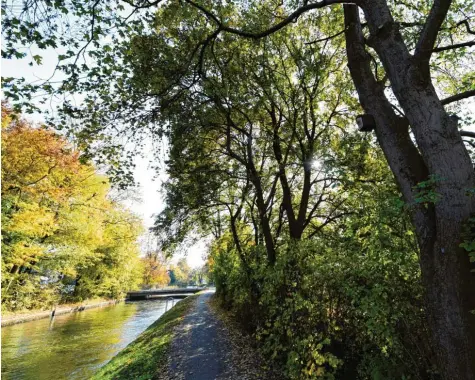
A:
{"x":234,"y":231}
{"x":255,"y":226}
{"x":261,"y":204}
{"x":296,"y":223}
{"x":264,"y":222}
{"x":237,"y":243}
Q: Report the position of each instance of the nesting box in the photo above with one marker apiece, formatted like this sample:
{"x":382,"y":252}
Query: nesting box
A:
{"x":365,"y":122}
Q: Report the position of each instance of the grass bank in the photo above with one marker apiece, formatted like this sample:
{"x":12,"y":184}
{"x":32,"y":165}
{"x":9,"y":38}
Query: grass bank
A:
{"x":146,"y":357}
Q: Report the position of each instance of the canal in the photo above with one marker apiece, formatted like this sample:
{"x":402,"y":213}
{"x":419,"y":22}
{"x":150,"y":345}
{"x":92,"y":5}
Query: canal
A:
{"x":74,"y":345}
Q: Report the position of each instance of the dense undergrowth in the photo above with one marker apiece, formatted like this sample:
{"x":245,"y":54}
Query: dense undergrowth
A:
{"x":328,"y":314}
{"x":346,"y":304}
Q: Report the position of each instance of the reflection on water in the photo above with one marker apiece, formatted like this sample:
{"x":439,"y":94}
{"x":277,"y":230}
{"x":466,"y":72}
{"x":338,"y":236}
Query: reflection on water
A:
{"x":74,"y":345}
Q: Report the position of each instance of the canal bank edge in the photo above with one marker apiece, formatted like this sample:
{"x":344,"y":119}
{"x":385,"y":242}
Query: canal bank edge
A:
{"x":147,"y":356}
{"x":15,"y":319}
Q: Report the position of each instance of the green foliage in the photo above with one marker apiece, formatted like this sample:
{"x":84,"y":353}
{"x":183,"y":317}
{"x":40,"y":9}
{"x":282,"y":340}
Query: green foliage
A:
{"x":323,"y":313}
{"x":426,"y":191}
{"x":261,"y":150}
{"x":345,"y":304}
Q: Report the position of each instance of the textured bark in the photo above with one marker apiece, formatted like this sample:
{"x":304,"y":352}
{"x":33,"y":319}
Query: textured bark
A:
{"x":449,"y":284}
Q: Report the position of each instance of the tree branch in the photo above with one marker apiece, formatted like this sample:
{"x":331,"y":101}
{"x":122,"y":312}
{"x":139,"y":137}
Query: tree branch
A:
{"x":467,"y":26}
{"x":329,"y":220}
{"x":431,"y":29}
{"x":467,"y":134}
{"x":289,"y":19}
{"x":455,"y":46}
{"x":143,"y":5}
{"x":455,"y":98}
{"x":326,"y":38}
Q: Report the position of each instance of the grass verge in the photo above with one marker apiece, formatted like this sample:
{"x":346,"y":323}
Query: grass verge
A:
{"x":146,"y":357}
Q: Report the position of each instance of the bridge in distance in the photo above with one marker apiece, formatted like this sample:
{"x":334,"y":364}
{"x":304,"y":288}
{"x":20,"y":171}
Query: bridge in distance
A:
{"x":161,"y":293}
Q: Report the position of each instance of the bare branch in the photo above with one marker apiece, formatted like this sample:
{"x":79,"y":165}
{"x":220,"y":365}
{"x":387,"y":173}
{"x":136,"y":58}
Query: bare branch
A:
{"x":326,"y":38}
{"x":455,"y":46}
{"x":289,"y":19}
{"x":467,"y":134}
{"x":467,"y":26}
{"x":142,"y":4}
{"x":91,"y":38}
{"x":455,"y":98}
{"x":329,"y":220}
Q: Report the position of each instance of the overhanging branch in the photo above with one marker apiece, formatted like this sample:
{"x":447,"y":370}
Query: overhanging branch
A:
{"x":467,"y":134}
{"x":257,"y":35}
{"x":455,"y":98}
{"x":454,"y":46}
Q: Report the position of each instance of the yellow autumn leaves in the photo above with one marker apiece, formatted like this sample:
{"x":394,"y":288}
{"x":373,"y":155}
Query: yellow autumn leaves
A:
{"x":60,"y":228}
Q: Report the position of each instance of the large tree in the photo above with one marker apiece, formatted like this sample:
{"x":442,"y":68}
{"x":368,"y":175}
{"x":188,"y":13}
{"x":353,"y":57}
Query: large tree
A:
{"x":420,"y":139}
{"x":257,"y":130}
{"x":61,"y":228}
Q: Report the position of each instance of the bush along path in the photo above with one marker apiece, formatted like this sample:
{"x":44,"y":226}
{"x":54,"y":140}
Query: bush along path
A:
{"x":205,"y":348}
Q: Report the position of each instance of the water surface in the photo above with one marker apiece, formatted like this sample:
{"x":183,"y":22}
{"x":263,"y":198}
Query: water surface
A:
{"x":74,"y":345}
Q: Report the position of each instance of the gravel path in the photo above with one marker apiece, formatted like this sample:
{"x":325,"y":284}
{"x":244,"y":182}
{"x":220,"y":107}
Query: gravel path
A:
{"x":205,"y":349}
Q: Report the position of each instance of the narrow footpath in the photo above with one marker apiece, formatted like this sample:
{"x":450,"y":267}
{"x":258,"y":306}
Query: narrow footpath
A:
{"x":205,"y":349}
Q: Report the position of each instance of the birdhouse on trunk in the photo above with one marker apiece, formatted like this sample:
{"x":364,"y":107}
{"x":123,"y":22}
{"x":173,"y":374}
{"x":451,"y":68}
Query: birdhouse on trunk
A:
{"x":365,"y":123}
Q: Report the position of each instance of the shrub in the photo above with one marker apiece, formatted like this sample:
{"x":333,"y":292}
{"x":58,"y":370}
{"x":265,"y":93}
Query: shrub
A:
{"x":322,"y":312}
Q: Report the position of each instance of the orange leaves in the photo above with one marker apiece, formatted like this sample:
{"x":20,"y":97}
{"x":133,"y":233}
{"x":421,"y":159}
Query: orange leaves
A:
{"x":36,"y":162}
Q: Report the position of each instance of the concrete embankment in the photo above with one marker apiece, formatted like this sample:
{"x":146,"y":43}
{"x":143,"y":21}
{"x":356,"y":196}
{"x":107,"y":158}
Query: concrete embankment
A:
{"x":65,"y":309}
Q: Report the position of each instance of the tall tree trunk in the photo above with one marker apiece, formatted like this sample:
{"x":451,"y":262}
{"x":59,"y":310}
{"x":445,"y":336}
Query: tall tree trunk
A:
{"x":260,"y":202}
{"x":449,"y":284}
{"x":449,"y":298}
{"x":264,"y":220}
{"x":237,"y":243}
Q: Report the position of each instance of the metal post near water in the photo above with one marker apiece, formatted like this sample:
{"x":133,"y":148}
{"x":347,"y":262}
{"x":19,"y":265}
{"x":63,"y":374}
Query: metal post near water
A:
{"x":51,"y":321}
{"x":166,"y":305}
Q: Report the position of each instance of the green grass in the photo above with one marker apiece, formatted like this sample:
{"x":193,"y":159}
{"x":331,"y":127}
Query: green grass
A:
{"x":146,"y":357}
